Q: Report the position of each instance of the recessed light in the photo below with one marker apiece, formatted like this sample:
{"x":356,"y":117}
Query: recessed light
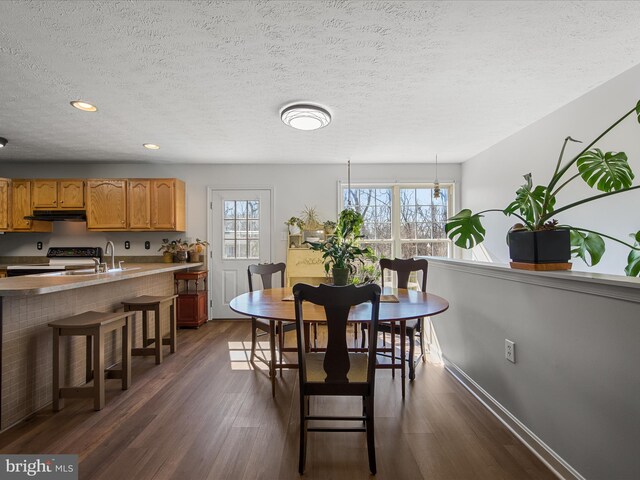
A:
{"x":305,"y":117}
{"x":151,"y":146}
{"x":84,"y":106}
{"x":3,"y":142}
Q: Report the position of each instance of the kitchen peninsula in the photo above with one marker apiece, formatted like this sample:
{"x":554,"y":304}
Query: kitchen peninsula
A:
{"x":29,"y":303}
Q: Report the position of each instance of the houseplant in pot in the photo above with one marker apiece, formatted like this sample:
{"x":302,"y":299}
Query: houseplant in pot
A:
{"x":168,"y":249}
{"x":538,"y":241}
{"x":295,"y":225}
{"x":342,"y":251}
{"x":196,"y":249}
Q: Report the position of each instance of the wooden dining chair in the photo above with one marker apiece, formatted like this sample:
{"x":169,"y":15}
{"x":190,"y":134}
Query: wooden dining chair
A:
{"x":273,"y":329}
{"x":414,"y":328}
{"x":337,"y":371}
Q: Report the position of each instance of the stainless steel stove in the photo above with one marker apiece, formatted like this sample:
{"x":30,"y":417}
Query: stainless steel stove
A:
{"x":60,"y":259}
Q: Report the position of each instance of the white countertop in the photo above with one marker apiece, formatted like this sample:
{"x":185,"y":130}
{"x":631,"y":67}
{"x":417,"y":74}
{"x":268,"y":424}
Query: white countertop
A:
{"x":47,"y":283}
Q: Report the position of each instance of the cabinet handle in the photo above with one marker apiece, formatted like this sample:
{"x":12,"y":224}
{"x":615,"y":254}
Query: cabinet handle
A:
{"x":122,"y":222}
{"x":54,"y":202}
{"x":28,"y":222}
{"x":61,"y":201}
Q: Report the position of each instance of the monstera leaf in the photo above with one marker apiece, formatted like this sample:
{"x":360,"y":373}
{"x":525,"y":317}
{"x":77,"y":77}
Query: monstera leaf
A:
{"x":465,"y":229}
{"x":638,"y":110}
{"x":633,"y":260}
{"x":607,"y":171}
{"x":588,"y":243}
{"x":529,"y":201}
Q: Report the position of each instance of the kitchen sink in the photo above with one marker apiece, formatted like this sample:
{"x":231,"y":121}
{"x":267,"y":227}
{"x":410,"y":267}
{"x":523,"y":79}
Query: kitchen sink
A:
{"x":86,"y":272}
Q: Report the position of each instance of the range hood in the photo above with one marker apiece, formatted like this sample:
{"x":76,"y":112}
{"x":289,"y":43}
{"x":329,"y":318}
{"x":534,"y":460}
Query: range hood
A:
{"x":58,"y":216}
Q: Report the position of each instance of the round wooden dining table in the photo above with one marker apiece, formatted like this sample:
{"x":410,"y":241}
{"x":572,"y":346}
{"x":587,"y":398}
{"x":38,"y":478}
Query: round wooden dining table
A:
{"x":276,"y":304}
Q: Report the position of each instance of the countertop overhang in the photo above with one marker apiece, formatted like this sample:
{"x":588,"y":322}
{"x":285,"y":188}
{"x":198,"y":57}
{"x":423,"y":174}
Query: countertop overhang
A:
{"x":41,"y":284}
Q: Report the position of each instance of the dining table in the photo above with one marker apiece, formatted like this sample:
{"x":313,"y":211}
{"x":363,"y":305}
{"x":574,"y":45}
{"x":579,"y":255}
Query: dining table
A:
{"x":396,"y":305}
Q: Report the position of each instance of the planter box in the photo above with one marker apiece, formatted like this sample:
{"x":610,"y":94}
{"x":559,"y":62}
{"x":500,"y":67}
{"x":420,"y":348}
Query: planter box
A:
{"x":545,"y":246}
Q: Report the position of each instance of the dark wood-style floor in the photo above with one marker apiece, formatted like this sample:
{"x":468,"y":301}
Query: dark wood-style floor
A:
{"x":204,"y":414}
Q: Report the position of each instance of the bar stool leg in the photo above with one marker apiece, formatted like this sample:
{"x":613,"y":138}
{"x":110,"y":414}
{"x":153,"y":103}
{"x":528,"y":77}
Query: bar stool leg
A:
{"x":172,"y":326}
{"x":58,"y":372}
{"x":158,"y":334}
{"x":126,"y":354}
{"x":145,"y":329}
{"x":98,"y":368}
{"x":89,"y":363}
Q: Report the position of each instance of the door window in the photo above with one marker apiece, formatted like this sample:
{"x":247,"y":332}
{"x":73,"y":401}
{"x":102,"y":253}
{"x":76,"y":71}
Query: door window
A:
{"x":241,"y":224}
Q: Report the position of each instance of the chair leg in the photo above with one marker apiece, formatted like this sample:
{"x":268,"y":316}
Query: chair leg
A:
{"x":253,"y":339}
{"x":58,"y":371}
{"x":98,"y":370}
{"x":422,"y":350}
{"x":89,"y":366}
{"x":280,"y":344}
{"x":362,"y":345}
{"x":272,"y":358}
{"x":393,"y":349}
{"x":303,"y":434}
{"x":173,"y":329}
{"x":158,"y":334}
{"x":371,"y":443}
{"x":412,"y":345}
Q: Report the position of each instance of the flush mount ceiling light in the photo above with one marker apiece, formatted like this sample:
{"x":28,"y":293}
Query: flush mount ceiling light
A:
{"x":84,"y":106}
{"x":151,"y":146}
{"x":305,"y":117}
{"x":3,"y":142}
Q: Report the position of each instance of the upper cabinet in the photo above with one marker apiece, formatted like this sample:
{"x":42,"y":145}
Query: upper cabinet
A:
{"x":139,"y":204}
{"x":107,"y":204}
{"x":136,"y":204}
{"x":167,"y":204}
{"x":15,"y":204}
{"x":21,"y":207}
{"x":57,"y":194}
{"x":4,"y":204}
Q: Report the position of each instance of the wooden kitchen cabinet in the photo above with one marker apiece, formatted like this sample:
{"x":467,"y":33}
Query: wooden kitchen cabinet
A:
{"x":4,"y":204}
{"x":58,"y":194}
{"x":21,"y":207}
{"x":191,"y":302}
{"x":167,"y":204}
{"x":139,"y":204}
{"x":156,"y":204}
{"x":107,"y":204}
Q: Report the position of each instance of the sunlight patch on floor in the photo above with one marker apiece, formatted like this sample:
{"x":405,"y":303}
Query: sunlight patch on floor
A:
{"x":240,"y":354}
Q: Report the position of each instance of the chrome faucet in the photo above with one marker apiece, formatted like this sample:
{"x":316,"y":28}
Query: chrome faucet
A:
{"x":96,"y":268}
{"x":113,"y":253}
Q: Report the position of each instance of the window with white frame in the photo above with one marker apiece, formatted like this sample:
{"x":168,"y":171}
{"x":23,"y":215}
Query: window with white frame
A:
{"x":402,"y":221}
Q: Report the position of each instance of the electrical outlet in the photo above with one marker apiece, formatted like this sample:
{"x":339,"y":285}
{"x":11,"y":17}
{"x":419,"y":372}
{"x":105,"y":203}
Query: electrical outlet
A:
{"x":39,"y":245}
{"x":510,"y":350}
{"x":147,"y":245}
{"x":127,"y":245}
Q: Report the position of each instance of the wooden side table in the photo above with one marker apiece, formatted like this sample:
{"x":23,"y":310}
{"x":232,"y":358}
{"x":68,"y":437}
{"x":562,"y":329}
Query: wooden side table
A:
{"x":192,"y":302}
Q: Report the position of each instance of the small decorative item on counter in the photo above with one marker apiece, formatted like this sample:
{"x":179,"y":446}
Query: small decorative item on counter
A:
{"x":295,"y":224}
{"x":196,"y":249}
{"x":329,"y":227}
{"x":310,"y":218}
{"x":174,"y":250}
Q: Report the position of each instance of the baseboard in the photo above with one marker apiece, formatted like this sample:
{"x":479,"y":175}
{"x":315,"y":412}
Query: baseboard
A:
{"x":541,"y":450}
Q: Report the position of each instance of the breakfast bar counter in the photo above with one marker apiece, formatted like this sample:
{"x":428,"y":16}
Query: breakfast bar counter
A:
{"x":29,"y":303}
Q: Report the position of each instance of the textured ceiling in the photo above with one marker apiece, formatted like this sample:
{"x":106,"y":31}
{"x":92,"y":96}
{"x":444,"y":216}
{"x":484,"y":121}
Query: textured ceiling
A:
{"x":206,"y":80}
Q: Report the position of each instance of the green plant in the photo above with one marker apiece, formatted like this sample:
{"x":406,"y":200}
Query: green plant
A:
{"x":173,"y":246}
{"x":198,"y":246}
{"x":342,"y":250}
{"x":535,"y":206}
{"x":329,"y":225}
{"x":298,"y":222}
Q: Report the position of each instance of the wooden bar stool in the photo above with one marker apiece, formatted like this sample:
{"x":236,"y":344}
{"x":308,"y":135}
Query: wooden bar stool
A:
{"x":148,"y":303}
{"x":94,"y":325}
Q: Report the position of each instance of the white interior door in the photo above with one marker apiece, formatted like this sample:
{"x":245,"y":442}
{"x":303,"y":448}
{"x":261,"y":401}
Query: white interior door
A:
{"x":240,"y":235}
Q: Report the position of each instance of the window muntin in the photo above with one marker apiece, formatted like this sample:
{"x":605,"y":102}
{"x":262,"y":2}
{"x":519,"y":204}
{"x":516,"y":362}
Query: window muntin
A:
{"x":241,"y":223}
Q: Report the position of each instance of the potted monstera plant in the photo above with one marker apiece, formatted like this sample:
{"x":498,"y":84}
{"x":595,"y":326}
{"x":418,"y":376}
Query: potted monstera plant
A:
{"x":342,"y":250}
{"x":538,"y":241}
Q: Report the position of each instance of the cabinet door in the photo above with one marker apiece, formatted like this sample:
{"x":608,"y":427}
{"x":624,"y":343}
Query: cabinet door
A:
{"x":163,"y":204}
{"x":45,"y":194}
{"x":106,"y":204}
{"x":4,"y":204}
{"x":139,"y":204}
{"x":20,"y":204}
{"x":71,"y":194}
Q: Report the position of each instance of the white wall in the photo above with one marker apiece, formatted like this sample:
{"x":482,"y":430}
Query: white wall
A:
{"x":490,"y":179}
{"x":575,"y":383}
{"x":294,"y":187}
